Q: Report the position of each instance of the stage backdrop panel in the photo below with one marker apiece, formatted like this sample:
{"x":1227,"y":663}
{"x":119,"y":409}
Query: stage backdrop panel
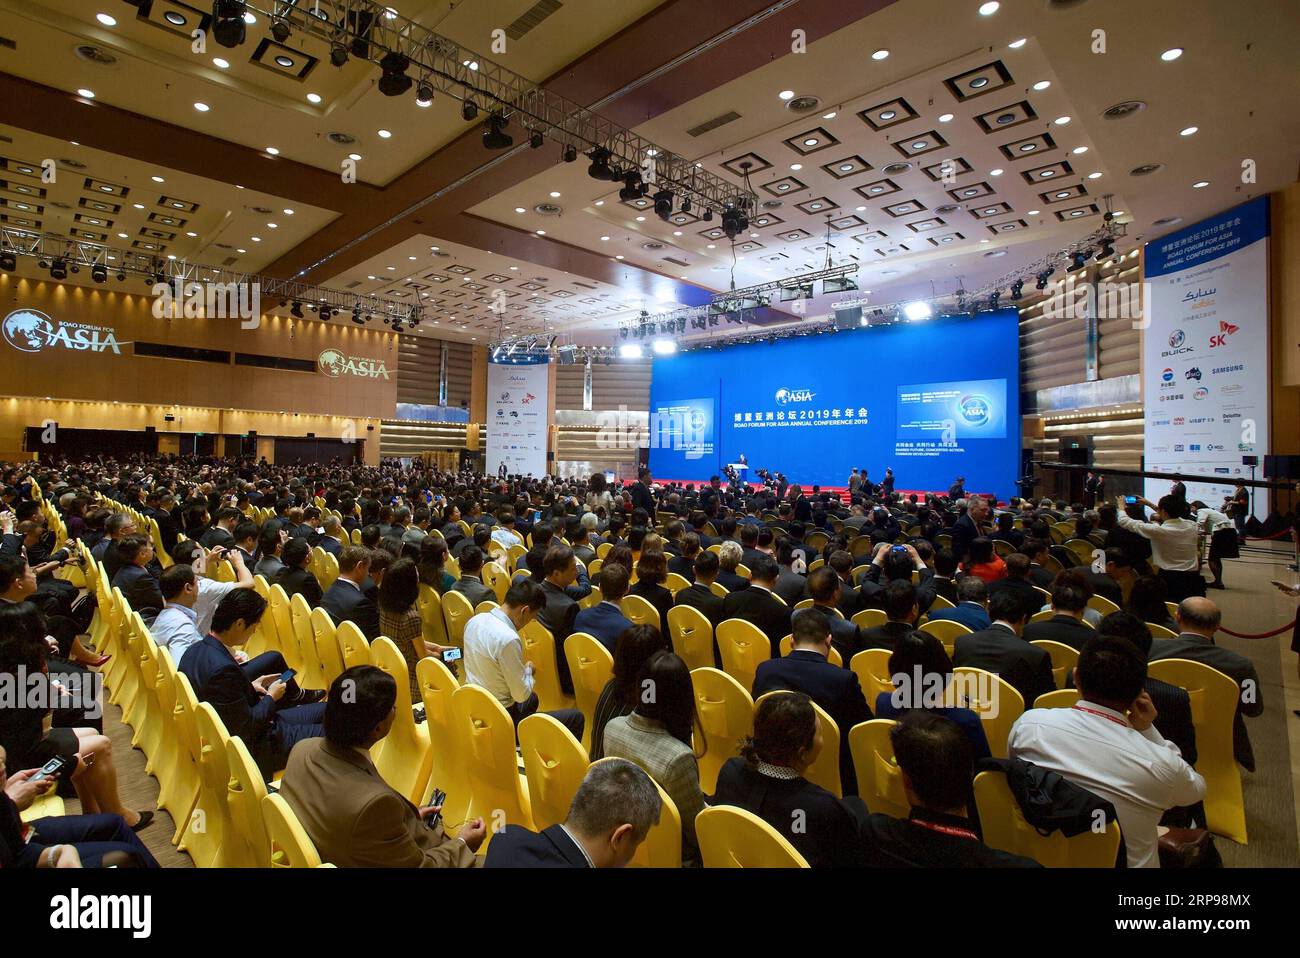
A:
{"x":1205,"y":362}
{"x":517,"y":418}
{"x":933,"y":400}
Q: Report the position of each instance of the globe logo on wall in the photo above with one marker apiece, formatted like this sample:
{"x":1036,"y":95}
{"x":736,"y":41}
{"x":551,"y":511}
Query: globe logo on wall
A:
{"x":974,"y":409}
{"x":28,"y":330}
{"x":331,"y":362}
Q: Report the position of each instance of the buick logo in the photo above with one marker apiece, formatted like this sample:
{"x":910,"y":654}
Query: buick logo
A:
{"x":1177,"y":338}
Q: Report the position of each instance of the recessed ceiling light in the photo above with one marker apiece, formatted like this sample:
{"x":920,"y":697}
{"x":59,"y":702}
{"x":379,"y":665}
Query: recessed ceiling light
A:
{"x":829,"y":116}
{"x":604,"y":238}
{"x":191,"y":234}
{"x":87,"y":94}
{"x":1172,"y":54}
{"x":880,"y":55}
{"x":121,"y":236}
{"x":677,"y":232}
{"x":256,"y":239}
{"x":990,"y":8}
{"x":156,"y":179}
{"x":541,"y":232}
{"x":241,"y":251}
{"x":1042,"y":84}
{"x":640,"y":219}
{"x":221,"y":63}
{"x":888,"y":114}
{"x":712,"y":246}
{"x":1094,"y":176}
{"x":1200,"y":184}
{"x":276,"y":226}
{"x":555,"y":194}
{"x":106,"y":19}
{"x":1079,"y":150}
{"x":354,"y":156}
{"x":202,"y":107}
{"x":273,"y":151}
{"x":1017,"y":44}
{"x":313,"y":97}
{"x":384,"y":134}
{"x":600,"y":202}
{"x":138,"y":206}
{"x":412,"y":257}
{"x":945,"y":118}
{"x":619,"y":256}
{"x":796,"y":166}
{"x":1187,"y":131}
{"x":811,"y":141}
{"x":920,"y":145}
{"x":860,"y":209}
{"x":1062,"y":120}
{"x":288,"y":212}
{"x":786,"y":94}
{"x":995,"y":172}
{"x":1032,"y":213}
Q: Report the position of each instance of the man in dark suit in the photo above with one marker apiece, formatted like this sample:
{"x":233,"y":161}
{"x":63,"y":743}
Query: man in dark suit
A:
{"x":1104,"y":584}
{"x":835,"y":689}
{"x":245,"y":536}
{"x":937,"y":762}
{"x":605,"y":621}
{"x":1198,"y":619}
{"x":470,"y":583}
{"x":698,"y":595}
{"x":295,"y":578}
{"x":970,"y":526}
{"x":1039,"y":574}
{"x":790,"y":585}
{"x":1069,"y":600}
{"x":1000,"y":649}
{"x":642,"y":497}
{"x":941,"y":582}
{"x":802,"y":507}
{"x":957,"y":490}
{"x":683,"y":564}
{"x":610,"y":816}
{"x":846,"y":638}
{"x":345,"y":599}
{"x":851,"y":600}
{"x":901,"y":613}
{"x":1017,"y":582}
{"x":270,"y":716}
{"x":759,"y":605}
{"x":138,"y":584}
{"x":972,"y":601}
{"x":331,"y":539}
{"x":560,"y":571}
{"x":220,"y":534}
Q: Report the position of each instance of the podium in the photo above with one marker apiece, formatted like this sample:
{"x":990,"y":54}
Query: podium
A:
{"x":741,"y":470}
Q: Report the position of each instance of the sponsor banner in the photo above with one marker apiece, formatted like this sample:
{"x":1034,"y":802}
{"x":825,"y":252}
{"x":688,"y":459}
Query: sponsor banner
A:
{"x":517,"y":417}
{"x":1206,"y":354}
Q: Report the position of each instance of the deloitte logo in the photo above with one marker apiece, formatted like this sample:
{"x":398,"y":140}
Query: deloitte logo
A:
{"x":334,"y":364}
{"x":974,"y":409}
{"x":30,"y":331}
{"x":786,"y":396}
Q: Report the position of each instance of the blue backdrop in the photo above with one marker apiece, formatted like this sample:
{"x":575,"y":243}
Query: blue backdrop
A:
{"x":932,"y":400}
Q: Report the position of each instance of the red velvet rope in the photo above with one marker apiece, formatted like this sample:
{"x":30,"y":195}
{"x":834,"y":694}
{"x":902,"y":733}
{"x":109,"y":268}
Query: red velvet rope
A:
{"x":1258,"y":635}
{"x":1277,"y":535}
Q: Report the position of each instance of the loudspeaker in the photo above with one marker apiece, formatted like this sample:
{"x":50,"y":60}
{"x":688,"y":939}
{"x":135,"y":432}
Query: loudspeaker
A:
{"x":1250,"y":460}
{"x":1282,"y":467}
{"x":150,"y":429}
{"x":311,"y":435}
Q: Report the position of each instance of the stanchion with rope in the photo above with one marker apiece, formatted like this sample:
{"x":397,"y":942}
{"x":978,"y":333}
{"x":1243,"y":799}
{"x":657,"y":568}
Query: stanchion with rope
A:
{"x":1258,"y":635}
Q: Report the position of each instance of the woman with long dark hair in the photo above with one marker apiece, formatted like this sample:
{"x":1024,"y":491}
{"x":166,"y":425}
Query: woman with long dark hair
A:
{"x":621,"y":693}
{"x":433,"y":559}
{"x":399,"y":617}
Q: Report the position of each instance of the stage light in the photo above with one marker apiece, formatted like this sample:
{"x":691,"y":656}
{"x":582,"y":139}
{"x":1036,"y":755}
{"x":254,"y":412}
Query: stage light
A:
{"x":1106,"y":251}
{"x":121,"y":277}
{"x":685,"y":204}
{"x":8,"y":262}
{"x":623,"y":332}
{"x":1016,"y":288}
{"x":734,"y":222}
{"x":280,"y":29}
{"x":424,"y":93}
{"x":994,"y":297}
{"x":631,"y":186}
{"x":600,"y":168}
{"x":681,"y":324}
{"x":393,"y":80}
{"x":296,"y":311}
{"x":708,"y":216}
{"x":535,"y":139}
{"x":570,"y":153}
{"x":99,"y":273}
{"x":664,"y":347}
{"x":338,"y":54}
{"x":663,"y":204}
{"x":713,"y":320}
{"x":468,"y":110}
{"x":630,"y":351}
{"x":1080,"y":258}
{"x":916,"y":311}
{"x":228,"y":26}
{"x":356,"y":316}
{"x":59,"y":269}
{"x":494,"y":135}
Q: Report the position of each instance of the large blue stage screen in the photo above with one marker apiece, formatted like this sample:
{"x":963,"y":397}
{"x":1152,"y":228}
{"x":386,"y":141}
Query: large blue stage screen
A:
{"x":933,"y":400}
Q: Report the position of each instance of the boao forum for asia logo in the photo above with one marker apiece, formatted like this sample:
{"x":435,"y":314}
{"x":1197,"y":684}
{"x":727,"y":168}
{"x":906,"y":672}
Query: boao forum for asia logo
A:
{"x":335,"y":364}
{"x":30,"y":331}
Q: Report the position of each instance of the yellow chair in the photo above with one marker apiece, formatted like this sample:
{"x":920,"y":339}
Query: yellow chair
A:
{"x":871,"y":666}
{"x":433,"y":627}
{"x":640,"y":611}
{"x":1005,"y":828}
{"x":173,"y":766}
{"x":592,"y":666}
{"x":487,"y":605}
{"x":994,"y":699}
{"x":726,"y":715}
{"x":447,"y":772}
{"x":496,"y":579}
{"x":514,"y":554}
{"x":1042,"y":616}
{"x":787,"y":646}
{"x":743,"y":647}
{"x":880,"y":780}
{"x":1102,"y":605}
{"x":539,"y":648}
{"x":356,"y":537}
{"x":192,"y":833}
{"x":803,"y":604}
{"x":1173,"y":610}
{"x":251,"y":848}
{"x":456,"y":611}
{"x":692,"y":636}
{"x":1081,"y":548}
{"x":328,"y":651}
{"x":555,"y":764}
{"x":941,"y":602}
{"x":1060,"y":699}
{"x":676,"y":583}
{"x":498,"y":794}
{"x":731,"y":837}
{"x":151,"y":733}
{"x":1214,"y":704}
{"x":404,"y":756}
{"x":718,"y":589}
{"x":869,"y":618}
{"x":591,"y":599}
{"x":946,"y":631}
{"x":51,"y":806}
{"x":288,"y":843}
{"x":602,"y":550}
{"x":1064,"y":659}
{"x":825,"y":769}
{"x":353,"y":647}
{"x":329,"y":570}
{"x":290,"y":645}
{"x":313,"y":675}
{"x":1160,"y":632}
{"x":214,"y":779}
{"x":662,"y":847}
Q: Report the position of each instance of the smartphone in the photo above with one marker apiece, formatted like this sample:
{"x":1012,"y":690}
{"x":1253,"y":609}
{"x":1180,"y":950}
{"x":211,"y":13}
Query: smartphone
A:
{"x":451,"y":655}
{"x":1130,"y":500}
{"x":49,"y":769}
{"x":439,"y":797}
{"x":286,"y":676}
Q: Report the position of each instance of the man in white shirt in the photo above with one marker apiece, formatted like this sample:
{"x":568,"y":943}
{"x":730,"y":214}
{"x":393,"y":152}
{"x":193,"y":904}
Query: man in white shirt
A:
{"x":504,"y":534}
{"x":1173,"y":544}
{"x":494,"y":655}
{"x":176,"y":627}
{"x":1223,"y":539}
{"x":1107,"y":744}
